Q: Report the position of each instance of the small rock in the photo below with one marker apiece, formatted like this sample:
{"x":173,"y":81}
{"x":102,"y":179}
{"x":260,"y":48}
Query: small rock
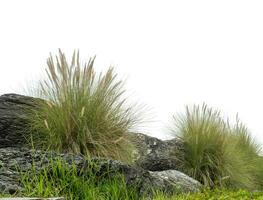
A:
{"x":154,"y":154}
{"x":181,"y":181}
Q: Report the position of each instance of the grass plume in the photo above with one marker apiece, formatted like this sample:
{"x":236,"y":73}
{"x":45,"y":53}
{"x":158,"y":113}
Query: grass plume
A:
{"x":83,"y":112}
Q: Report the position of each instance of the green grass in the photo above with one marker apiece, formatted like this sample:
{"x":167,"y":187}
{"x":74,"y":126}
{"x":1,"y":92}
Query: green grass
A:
{"x":84,"y":112}
{"x":60,"y":179}
{"x":217,"y":194}
{"x":216,"y":153}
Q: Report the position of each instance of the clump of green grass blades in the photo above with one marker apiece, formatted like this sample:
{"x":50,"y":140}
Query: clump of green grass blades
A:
{"x":216,"y":194}
{"x":84,"y":112}
{"x":60,"y":179}
{"x":216,"y":153}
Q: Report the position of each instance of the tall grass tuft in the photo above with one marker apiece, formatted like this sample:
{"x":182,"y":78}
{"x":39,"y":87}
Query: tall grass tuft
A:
{"x":214,"y":152}
{"x":204,"y":134}
{"x":243,"y":154}
{"x":83,"y":112}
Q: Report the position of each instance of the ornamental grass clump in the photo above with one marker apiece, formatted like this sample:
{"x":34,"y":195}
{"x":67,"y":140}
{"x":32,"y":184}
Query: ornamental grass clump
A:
{"x":214,"y":152}
{"x":243,"y":154}
{"x":83,"y":112}
{"x":204,"y":136}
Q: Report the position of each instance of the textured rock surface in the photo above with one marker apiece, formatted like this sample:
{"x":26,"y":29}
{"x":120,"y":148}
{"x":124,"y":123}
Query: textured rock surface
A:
{"x":16,"y":160}
{"x":13,"y":119}
{"x":183,"y":182}
{"x":154,"y":154}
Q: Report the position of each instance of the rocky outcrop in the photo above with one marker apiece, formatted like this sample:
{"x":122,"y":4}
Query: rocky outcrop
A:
{"x":154,"y":168}
{"x":151,"y":154}
{"x":14,"y":161}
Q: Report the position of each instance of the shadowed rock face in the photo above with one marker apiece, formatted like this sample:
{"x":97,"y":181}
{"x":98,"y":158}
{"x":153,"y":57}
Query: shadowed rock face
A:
{"x":13,"y":109}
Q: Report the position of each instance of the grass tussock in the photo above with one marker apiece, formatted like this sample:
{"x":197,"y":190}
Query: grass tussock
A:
{"x":84,"y":112}
{"x":216,"y":153}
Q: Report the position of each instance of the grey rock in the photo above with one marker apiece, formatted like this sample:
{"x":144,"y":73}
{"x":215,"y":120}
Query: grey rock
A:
{"x":154,"y":154}
{"x":13,"y":119}
{"x":183,"y":182}
{"x":18,"y":160}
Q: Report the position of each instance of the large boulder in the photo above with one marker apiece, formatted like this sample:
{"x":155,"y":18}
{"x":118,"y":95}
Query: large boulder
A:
{"x":14,"y":161}
{"x":13,"y":119}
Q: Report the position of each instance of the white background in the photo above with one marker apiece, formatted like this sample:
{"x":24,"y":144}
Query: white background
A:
{"x":173,"y":53}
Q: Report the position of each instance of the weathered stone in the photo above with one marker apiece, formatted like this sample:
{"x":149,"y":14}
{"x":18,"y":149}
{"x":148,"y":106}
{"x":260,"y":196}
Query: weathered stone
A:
{"x":154,"y":154}
{"x":13,"y":119}
{"x":183,"y":182}
{"x":17,"y":160}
